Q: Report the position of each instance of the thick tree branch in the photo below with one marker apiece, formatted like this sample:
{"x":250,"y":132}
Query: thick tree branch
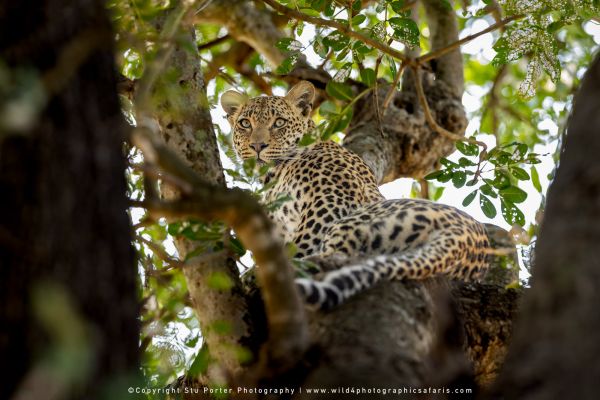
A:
{"x":248,"y":24}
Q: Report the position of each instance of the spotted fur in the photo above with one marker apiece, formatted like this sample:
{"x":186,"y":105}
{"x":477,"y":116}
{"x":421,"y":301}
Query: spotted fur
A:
{"x":337,"y":209}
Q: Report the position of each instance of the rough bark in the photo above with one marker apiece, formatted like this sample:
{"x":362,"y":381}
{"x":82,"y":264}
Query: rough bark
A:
{"x":65,"y":250}
{"x":560,"y":360}
{"x":185,"y":125}
{"x":397,"y":142}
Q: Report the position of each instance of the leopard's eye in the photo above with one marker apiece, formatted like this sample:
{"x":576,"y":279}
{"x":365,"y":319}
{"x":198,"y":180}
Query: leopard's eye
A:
{"x":244,"y":123}
{"x":279,"y":122}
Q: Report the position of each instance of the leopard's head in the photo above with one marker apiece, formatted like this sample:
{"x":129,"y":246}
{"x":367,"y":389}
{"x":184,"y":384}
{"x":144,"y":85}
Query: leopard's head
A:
{"x":269,"y":127}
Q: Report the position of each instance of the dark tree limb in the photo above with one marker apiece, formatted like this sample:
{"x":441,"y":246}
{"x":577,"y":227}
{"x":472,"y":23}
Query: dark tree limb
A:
{"x":67,"y":276}
{"x":561,"y":308}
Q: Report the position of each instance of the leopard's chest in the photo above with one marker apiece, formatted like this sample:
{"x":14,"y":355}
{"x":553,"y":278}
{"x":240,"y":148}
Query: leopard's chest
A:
{"x":285,"y":202}
{"x":316,"y":188}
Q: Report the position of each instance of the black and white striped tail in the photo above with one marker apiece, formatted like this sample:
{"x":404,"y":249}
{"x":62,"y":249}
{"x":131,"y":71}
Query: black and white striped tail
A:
{"x":338,"y":286}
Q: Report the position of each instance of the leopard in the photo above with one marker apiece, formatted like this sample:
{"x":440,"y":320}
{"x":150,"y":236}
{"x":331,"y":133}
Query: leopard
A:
{"x":335,"y":207}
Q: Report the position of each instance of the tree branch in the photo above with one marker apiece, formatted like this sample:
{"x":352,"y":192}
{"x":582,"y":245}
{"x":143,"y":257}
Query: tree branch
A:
{"x":214,"y":42}
{"x":431,"y":121}
{"x":248,"y":24}
{"x":444,"y":50}
{"x":288,"y":338}
{"x":336,"y":25}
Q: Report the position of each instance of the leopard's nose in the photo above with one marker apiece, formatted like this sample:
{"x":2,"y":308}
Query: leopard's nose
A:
{"x":258,"y":147}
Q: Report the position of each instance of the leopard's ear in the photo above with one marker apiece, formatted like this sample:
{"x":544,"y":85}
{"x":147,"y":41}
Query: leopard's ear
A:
{"x":231,"y":101}
{"x":302,"y":96}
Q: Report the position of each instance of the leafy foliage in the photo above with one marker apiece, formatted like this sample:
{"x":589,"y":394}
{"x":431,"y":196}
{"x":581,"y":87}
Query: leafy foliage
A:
{"x":536,"y":35}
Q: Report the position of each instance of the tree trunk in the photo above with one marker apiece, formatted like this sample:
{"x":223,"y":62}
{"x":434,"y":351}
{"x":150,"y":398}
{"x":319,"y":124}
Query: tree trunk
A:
{"x":68,"y":302}
{"x":555,"y":348}
{"x":185,"y":125}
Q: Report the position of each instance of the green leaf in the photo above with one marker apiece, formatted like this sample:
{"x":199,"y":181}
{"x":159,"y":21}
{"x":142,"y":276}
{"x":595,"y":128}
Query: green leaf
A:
{"x":287,"y":65}
{"x":320,"y":48}
{"x":513,"y":194}
{"x":487,"y":206}
{"x":501,"y":180}
{"x":200,"y":364}
{"x":367,"y":76}
{"x":318,"y":5}
{"x":511,"y":213}
{"x":437,"y":193}
{"x":519,"y":173}
{"x":521,"y":149}
{"x":469,"y":199}
{"x":288,"y":44}
{"x":398,"y":6}
{"x":336,"y":40}
{"x":488,"y":190}
{"x":278,"y":202}
{"x":468,"y":149}
{"x":535,"y":179}
{"x":434,"y":175}
{"x":192,"y":342}
{"x":339,"y":90}
{"x":465,"y":162}
{"x":328,"y":109}
{"x":446,"y":176}
{"x":405,"y":30}
{"x":358,"y":19}
{"x":459,"y":178}
{"x":237,"y":246}
{"x":447,"y":163}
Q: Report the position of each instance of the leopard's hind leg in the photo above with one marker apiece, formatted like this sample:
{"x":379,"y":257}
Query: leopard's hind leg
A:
{"x":441,"y":254}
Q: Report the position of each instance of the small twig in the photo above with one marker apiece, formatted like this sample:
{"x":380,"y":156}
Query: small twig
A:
{"x":152,"y":172}
{"x":390,"y":93}
{"x":213,"y":42}
{"x":161,"y":253}
{"x":145,"y":222}
{"x":440,"y":52}
{"x":441,"y":130}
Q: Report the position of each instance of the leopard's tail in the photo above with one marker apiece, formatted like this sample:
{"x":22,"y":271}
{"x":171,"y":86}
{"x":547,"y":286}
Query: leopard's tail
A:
{"x":433,"y":258}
